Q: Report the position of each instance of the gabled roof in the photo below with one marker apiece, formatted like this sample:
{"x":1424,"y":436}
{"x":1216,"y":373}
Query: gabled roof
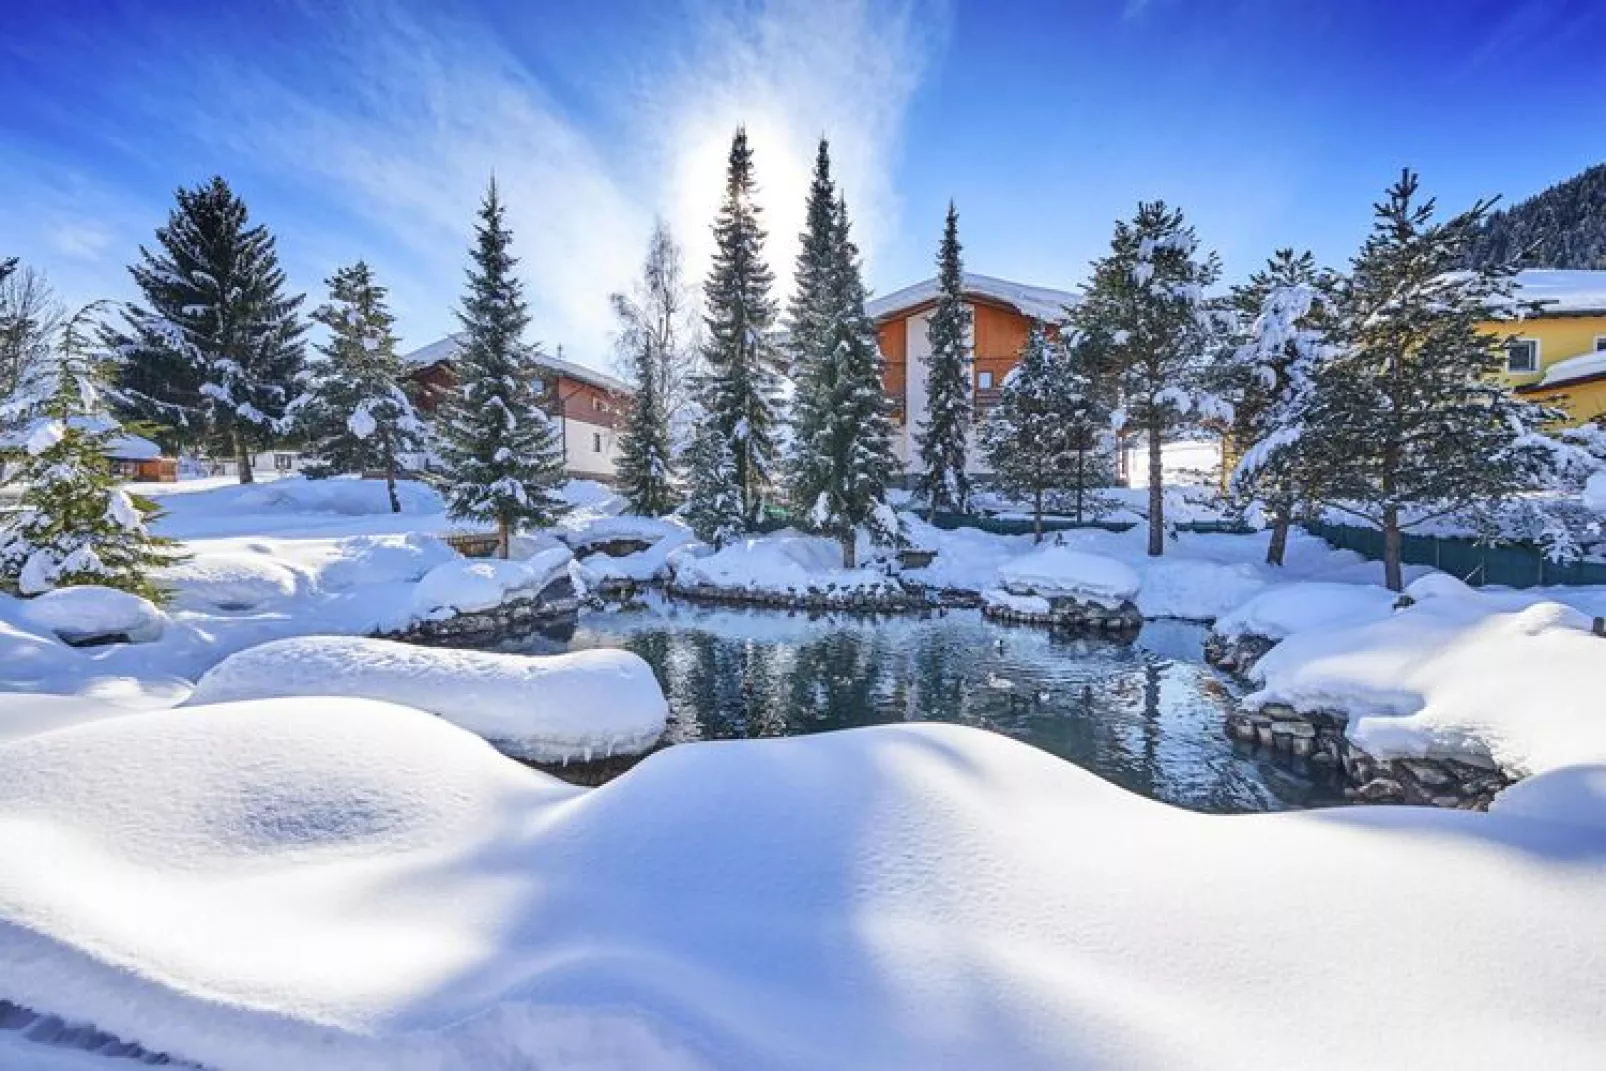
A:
{"x":1038,"y":302}
{"x":1563,"y":293}
{"x":445,"y":349}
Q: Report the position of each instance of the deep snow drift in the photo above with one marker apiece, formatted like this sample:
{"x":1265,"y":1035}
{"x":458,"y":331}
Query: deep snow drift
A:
{"x":556,"y":708}
{"x":349,"y":885}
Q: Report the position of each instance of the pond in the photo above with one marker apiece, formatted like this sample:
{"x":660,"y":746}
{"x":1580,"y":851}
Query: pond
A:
{"x":1146,"y":715}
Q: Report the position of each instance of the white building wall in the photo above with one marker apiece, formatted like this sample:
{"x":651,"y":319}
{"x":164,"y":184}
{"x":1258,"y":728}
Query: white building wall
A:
{"x":580,"y":454}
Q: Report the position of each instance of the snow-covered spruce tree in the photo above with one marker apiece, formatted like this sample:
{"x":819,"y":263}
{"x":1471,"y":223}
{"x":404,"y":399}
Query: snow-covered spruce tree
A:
{"x":75,"y":524}
{"x":1048,"y":438}
{"x":943,"y":437}
{"x":1409,"y":416}
{"x":844,"y":461}
{"x":653,"y":325}
{"x":713,"y":506}
{"x":1147,"y":296}
{"x":500,"y":450}
{"x":741,"y":378}
{"x":1268,"y":375}
{"x":355,"y":415}
{"x":212,"y":355}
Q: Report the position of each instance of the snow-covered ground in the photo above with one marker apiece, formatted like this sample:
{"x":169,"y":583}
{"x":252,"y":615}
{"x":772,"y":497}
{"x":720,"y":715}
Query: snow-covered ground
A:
{"x":326,"y":884}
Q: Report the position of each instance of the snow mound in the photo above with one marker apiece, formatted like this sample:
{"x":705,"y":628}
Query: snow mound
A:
{"x":337,"y":884}
{"x":1461,"y":678}
{"x":557,"y":708}
{"x":229,"y":580}
{"x":86,"y":613}
{"x":1194,"y":590}
{"x":1440,"y":586}
{"x":1283,"y":611}
{"x":1018,"y":604}
{"x":783,"y":563}
{"x":1573,"y":795}
{"x":384,"y":559}
{"x":1060,"y":572}
{"x":468,"y":586}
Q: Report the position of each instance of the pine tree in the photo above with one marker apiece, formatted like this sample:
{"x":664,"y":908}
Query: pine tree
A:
{"x":213,"y":355}
{"x":1409,"y":414}
{"x":713,"y":506}
{"x":355,"y":414}
{"x":501,"y":452}
{"x":1269,"y":377}
{"x":844,"y":461}
{"x":1563,"y":226}
{"x":1147,"y":297}
{"x":651,"y":336}
{"x":1049,"y":434}
{"x":943,"y":436}
{"x":75,"y":524}
{"x":741,"y":382}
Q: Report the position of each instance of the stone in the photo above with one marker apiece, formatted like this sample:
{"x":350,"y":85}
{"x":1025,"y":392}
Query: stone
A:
{"x":1381,"y":789}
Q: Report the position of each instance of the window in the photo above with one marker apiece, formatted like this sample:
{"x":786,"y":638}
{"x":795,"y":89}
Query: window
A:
{"x":1522,"y":355}
{"x":984,"y":381}
{"x":284,"y":462}
{"x":1600,"y":343}
{"x":596,"y":442}
{"x":598,"y":404}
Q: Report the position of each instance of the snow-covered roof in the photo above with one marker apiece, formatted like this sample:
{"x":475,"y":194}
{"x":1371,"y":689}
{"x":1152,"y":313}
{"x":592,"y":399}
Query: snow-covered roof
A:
{"x":1038,"y":302}
{"x":446,"y":349}
{"x":1563,"y":293}
{"x":122,"y":447}
{"x":1573,"y":369}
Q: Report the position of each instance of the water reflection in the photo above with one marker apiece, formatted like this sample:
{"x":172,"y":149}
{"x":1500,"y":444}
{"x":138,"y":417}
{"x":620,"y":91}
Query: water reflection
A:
{"x":1146,"y":715}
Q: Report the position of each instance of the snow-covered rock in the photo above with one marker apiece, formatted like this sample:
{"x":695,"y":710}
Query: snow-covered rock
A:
{"x":556,"y":708}
{"x":229,"y":581}
{"x":471,"y":585}
{"x":1280,"y":612}
{"x":1060,"y":572}
{"x":88,"y":613}
{"x":338,"y":884}
{"x":1454,"y":678}
{"x":782,"y":563}
{"x":1194,"y":590}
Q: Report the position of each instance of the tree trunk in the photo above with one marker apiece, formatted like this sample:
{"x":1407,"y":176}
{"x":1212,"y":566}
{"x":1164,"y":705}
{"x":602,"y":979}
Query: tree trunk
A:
{"x":390,"y":486}
{"x":1156,"y":496}
{"x":931,"y":510}
{"x":1081,"y":482}
{"x":1037,"y":516}
{"x":1392,"y":574}
{"x":1282,"y":520}
{"x":242,"y":457}
{"x":850,"y":550}
{"x":504,"y":536}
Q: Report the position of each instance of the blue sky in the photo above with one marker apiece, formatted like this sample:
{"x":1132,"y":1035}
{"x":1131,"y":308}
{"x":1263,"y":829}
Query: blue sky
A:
{"x":356,"y":128}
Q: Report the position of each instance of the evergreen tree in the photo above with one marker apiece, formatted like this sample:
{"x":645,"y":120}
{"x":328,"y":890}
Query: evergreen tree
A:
{"x":844,"y":461}
{"x":501,"y":452}
{"x":75,"y":524}
{"x":741,"y":382}
{"x":651,"y":336}
{"x":1048,"y":437}
{"x":943,"y":436}
{"x":1560,"y":227}
{"x":1409,"y":414}
{"x":1147,"y":297}
{"x":1269,"y":377}
{"x":213,"y":354}
{"x":355,"y":413}
{"x":713,"y":506}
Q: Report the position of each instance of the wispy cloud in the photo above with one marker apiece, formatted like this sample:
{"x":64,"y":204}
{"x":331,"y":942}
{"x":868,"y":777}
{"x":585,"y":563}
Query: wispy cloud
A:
{"x":404,"y":121}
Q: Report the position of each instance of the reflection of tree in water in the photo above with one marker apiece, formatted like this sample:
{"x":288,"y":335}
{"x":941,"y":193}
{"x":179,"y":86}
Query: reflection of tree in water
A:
{"x":1144,"y":720}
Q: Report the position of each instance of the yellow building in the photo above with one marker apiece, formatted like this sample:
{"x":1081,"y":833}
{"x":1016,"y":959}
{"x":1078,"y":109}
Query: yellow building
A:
{"x":1558,"y":356}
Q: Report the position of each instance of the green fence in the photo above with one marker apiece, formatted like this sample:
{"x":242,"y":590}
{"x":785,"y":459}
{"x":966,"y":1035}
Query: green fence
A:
{"x":1516,"y":565}
{"x":1014,"y":525}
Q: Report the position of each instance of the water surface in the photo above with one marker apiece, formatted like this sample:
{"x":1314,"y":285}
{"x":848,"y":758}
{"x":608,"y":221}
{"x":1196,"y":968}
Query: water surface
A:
{"x":1146,"y":715}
